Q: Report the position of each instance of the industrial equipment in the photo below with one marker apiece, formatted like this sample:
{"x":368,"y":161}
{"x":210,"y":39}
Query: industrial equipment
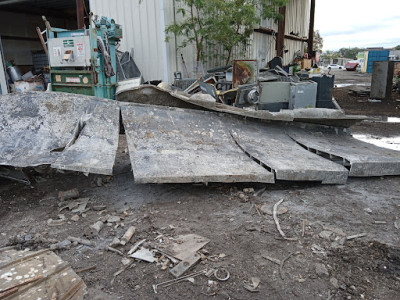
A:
{"x":83,"y":61}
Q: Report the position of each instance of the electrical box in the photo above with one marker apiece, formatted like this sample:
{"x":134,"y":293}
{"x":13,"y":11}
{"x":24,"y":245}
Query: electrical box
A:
{"x":303,"y":94}
{"x":69,"y":51}
{"x":274,"y":95}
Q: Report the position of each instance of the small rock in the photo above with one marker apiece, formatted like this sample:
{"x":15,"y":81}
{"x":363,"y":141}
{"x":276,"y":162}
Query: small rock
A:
{"x":99,"y":207}
{"x":75,"y":218}
{"x":248,"y":190}
{"x":334,"y":282}
{"x":321,"y":270}
{"x":222,"y":255}
{"x":242,"y":196}
{"x":397,"y":225}
{"x":327,"y":235}
{"x":65,"y":244}
{"x":115,"y":242}
{"x":368,"y":210}
{"x":99,"y":181}
{"x":190,"y":280}
{"x":125,"y":261}
{"x":56,"y":222}
{"x":113,"y":219}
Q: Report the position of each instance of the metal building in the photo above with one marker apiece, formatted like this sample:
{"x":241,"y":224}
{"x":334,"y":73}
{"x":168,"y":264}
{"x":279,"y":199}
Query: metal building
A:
{"x":144,"y":23}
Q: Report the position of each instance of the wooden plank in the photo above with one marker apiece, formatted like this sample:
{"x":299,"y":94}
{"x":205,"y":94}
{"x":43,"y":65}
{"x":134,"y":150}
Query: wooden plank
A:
{"x":274,"y":148}
{"x":173,"y":145}
{"x":38,"y":275}
{"x":364,"y":159}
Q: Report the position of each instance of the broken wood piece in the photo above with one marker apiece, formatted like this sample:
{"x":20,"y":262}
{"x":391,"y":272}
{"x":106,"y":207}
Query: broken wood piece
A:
{"x":274,"y":260}
{"x":120,"y":271}
{"x":185,"y":264}
{"x":285,"y":259}
{"x":351,"y":237}
{"x":128,"y":235}
{"x":274,"y":213}
{"x":250,"y":288}
{"x":380,"y":222}
{"x":82,"y":205}
{"x":115,"y":242}
{"x":108,"y":248}
{"x":20,"y":284}
{"x":70,"y":194}
{"x":90,"y":268}
{"x":57,"y":222}
{"x":55,"y":274}
{"x":136,"y":246}
{"x":94,"y":229}
{"x":183,"y":245}
{"x":81,"y":241}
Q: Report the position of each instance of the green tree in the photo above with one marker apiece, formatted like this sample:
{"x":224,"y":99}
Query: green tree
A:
{"x":318,"y":41}
{"x":350,"y":52}
{"x":221,"y":22}
{"x":328,"y":54}
{"x":397,"y":47}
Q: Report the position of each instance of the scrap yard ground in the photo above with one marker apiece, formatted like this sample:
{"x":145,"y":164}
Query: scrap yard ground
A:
{"x":342,"y":239}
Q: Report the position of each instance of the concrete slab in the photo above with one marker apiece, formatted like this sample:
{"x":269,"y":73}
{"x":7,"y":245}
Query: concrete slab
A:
{"x":148,"y":94}
{"x":173,"y":145}
{"x":362,"y":158}
{"x":289,"y":161}
{"x":66,"y":131}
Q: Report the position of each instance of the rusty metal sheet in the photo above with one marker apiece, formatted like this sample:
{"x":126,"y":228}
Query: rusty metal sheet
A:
{"x":271,"y":146}
{"x":173,"y":145}
{"x":38,"y":275}
{"x":362,"y":158}
{"x":67,"y":131}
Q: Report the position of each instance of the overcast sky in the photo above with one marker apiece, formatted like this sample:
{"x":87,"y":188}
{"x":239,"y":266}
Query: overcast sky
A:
{"x":358,"y":23}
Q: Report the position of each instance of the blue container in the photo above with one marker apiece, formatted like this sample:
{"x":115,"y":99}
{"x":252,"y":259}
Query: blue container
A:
{"x":376,"y":55}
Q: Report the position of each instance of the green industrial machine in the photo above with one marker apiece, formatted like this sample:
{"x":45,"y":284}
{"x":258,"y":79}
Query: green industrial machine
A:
{"x":83,"y":61}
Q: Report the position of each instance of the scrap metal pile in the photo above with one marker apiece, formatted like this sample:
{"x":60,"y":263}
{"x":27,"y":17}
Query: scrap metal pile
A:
{"x":244,"y":85}
{"x":210,"y":143}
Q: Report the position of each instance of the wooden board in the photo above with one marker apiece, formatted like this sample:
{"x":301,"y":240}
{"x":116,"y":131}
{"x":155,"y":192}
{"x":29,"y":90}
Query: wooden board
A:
{"x":173,"y":145}
{"x":362,"y":158}
{"x":289,"y":161}
{"x":33,"y":275}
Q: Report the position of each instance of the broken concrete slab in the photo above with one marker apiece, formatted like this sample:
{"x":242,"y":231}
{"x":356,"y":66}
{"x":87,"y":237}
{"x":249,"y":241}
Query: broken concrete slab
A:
{"x":66,"y":131}
{"x":272,"y":147}
{"x":173,"y":145}
{"x":362,"y":158}
{"x":148,"y":94}
{"x":38,"y":275}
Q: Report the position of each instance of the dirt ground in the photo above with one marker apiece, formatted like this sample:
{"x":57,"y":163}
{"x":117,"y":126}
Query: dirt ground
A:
{"x":321,"y":259}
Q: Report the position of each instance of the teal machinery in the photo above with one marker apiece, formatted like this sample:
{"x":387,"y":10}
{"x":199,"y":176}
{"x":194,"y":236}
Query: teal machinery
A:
{"x":83,"y":61}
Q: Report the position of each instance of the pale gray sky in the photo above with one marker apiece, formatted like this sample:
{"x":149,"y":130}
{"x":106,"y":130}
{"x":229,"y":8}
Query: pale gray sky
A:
{"x":358,"y":23}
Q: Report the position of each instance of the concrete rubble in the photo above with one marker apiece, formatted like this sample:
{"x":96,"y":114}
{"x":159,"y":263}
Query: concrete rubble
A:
{"x":182,"y":145}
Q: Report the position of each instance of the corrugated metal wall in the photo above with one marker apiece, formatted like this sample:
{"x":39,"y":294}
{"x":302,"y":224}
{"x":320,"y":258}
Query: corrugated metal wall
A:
{"x":297,"y":21}
{"x":144,"y":25}
{"x":143,"y":32}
